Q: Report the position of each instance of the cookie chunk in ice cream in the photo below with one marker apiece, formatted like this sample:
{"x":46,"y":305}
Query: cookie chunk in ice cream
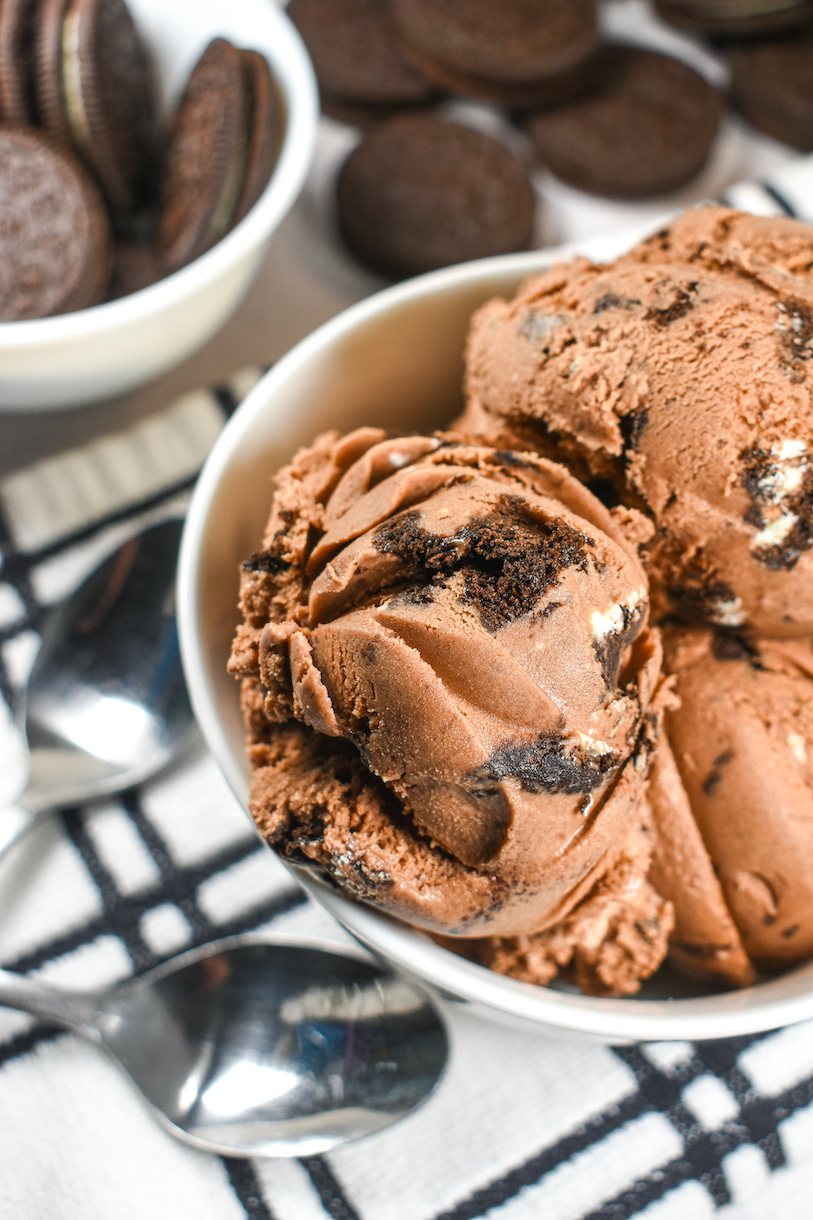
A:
{"x":449,"y":683}
{"x":683,"y":372}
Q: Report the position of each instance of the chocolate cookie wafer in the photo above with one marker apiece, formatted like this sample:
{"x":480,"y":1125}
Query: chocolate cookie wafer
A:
{"x":355,"y":53}
{"x":518,"y":52}
{"x":420,"y":193}
{"x":772,"y":85}
{"x":224,"y":144}
{"x":49,"y":68}
{"x":55,"y":245}
{"x":265,"y":130}
{"x":646,"y":128}
{"x":17,"y":87}
{"x":735,"y":17}
{"x":206,"y":156}
{"x":95,"y":93}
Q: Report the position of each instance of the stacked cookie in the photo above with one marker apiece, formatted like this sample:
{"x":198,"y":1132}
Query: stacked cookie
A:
{"x":772,"y":85}
{"x":626,"y":122}
{"x":96,"y":200}
{"x":769,"y":49}
{"x":735,"y":17}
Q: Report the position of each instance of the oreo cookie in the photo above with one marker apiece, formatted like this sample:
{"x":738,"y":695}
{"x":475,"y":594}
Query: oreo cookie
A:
{"x":136,"y":265}
{"x":207,"y":148}
{"x":55,"y":244}
{"x":772,"y":85}
{"x":549,"y":91}
{"x":17,"y":84}
{"x":420,"y":193}
{"x":647,"y":127}
{"x":735,"y":17}
{"x":224,"y":144}
{"x":95,"y":93}
{"x":265,"y":129}
{"x":355,"y":54}
{"x":520,"y":52}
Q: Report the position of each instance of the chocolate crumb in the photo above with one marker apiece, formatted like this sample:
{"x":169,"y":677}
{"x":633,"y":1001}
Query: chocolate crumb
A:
{"x":507,"y":457}
{"x":711,"y":782}
{"x":265,"y":561}
{"x":544,"y":765}
{"x":632,"y":427}
{"x":701,"y":601}
{"x":537,"y":327}
{"x":611,"y":647}
{"x":760,"y":475}
{"x":795,"y":328}
{"x":509,"y":558}
{"x":714,"y":777}
{"x":611,"y":301}
{"x":647,"y":929}
{"x":683,"y":302}
{"x":729,"y":647}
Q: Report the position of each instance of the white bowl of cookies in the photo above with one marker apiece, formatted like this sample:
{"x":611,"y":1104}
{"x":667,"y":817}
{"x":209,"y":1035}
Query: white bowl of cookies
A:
{"x":150,"y":151}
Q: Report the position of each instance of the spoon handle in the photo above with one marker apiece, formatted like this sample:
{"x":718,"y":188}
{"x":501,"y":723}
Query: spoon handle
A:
{"x":15,"y":822}
{"x":78,"y":1012}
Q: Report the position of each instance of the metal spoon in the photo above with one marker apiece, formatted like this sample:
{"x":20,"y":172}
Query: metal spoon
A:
{"x":106,"y":704}
{"x":249,"y":1048}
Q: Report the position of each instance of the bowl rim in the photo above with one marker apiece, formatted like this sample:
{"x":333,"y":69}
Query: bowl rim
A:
{"x":294,"y":74}
{"x":764,"y":1006}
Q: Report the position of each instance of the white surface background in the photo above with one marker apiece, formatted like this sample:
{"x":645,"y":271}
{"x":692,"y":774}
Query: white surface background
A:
{"x":75,"y":1143}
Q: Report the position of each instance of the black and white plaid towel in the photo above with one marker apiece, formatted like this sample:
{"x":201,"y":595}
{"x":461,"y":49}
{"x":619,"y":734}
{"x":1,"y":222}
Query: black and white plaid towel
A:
{"x":522,"y":1127}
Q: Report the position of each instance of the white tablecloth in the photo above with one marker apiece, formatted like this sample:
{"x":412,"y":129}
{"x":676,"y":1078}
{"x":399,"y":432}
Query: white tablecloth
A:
{"x":522,"y":1126}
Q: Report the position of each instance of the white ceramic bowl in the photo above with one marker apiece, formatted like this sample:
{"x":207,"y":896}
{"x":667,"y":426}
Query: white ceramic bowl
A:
{"x":77,"y":358}
{"x":395,"y":360}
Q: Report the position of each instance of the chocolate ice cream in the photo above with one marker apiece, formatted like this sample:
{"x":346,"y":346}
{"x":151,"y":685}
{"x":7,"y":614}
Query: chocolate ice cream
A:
{"x":611,"y":940}
{"x":742,"y":739}
{"x":705,"y":942}
{"x":450,"y":689}
{"x":683,"y":372}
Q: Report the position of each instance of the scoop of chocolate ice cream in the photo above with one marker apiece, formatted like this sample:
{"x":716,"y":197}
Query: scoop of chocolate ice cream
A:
{"x":449,"y":681}
{"x":705,"y":942}
{"x":741,"y":741}
{"x":683,"y":372}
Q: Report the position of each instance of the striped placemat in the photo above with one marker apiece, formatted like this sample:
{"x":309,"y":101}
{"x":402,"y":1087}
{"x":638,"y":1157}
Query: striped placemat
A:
{"x":522,"y":1127}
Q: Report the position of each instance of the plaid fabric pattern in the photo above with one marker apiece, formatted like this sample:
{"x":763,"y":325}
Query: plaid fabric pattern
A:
{"x":521,"y":1127}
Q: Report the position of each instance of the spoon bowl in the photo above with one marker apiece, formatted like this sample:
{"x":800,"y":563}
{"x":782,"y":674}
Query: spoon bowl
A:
{"x":106,"y":703}
{"x":246,"y":1047}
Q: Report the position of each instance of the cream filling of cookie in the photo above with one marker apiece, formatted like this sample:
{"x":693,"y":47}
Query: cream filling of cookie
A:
{"x":228,"y":200}
{"x":798,"y":747}
{"x":784,"y":479}
{"x":594,"y":747}
{"x":729,"y":613}
{"x":72,"y":78}
{"x":775,"y":532}
{"x":793,"y":326}
{"x":613,"y":619}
